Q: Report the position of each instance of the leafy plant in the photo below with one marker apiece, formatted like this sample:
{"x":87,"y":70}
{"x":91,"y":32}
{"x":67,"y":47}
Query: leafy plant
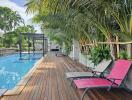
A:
{"x":123,"y":55}
{"x":99,"y":53}
{"x":1,"y":45}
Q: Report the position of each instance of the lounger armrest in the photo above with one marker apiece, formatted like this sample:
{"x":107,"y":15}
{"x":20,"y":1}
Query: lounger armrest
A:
{"x":99,"y":72}
{"x":114,"y":79}
{"x":103,"y":74}
{"x":106,"y":72}
{"x":96,"y":72}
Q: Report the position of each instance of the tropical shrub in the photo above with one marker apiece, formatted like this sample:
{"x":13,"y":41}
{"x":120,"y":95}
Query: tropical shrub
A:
{"x":1,"y":45}
{"x":99,"y":53}
{"x":123,"y":55}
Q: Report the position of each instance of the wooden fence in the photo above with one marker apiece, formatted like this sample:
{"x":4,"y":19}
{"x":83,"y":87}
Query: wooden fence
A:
{"x":117,"y":46}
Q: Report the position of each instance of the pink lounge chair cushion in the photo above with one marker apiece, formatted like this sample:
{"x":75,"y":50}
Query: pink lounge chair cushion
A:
{"x":93,"y":82}
{"x":119,"y":70}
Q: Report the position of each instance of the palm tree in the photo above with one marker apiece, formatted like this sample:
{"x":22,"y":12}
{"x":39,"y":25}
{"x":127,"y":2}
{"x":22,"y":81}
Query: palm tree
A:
{"x":85,"y":19}
{"x":16,"y":19}
{"x":9,"y":19}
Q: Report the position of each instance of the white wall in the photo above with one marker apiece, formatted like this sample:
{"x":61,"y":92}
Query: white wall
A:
{"x":76,"y":54}
{"x":76,"y":50}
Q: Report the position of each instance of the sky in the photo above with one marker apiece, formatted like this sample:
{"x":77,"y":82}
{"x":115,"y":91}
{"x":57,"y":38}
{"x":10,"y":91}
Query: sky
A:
{"x":18,"y":5}
{"x":19,"y":2}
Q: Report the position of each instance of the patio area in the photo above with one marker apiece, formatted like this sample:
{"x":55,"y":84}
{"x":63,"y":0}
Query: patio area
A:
{"x":48,"y":82}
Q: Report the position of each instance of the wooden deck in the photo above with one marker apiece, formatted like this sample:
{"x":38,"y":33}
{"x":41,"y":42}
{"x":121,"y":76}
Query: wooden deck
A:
{"x":49,"y":83}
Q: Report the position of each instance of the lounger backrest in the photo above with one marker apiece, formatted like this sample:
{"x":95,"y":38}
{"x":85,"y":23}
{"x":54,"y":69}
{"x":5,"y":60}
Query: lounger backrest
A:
{"x":119,"y":70}
{"x":102,"y":65}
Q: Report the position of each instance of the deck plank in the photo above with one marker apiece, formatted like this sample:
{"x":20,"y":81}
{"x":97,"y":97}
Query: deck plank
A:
{"x":48,"y":82}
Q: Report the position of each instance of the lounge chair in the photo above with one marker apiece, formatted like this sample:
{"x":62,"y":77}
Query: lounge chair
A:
{"x":98,"y":71}
{"x":113,"y":80}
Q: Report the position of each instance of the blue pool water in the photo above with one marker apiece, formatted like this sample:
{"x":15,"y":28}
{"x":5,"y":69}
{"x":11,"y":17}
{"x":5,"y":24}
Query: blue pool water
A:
{"x":12,"y":69}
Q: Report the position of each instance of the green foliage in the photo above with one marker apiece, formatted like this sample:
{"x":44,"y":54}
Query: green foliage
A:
{"x":84,"y":20}
{"x":10,"y":22}
{"x":99,"y":53}
{"x":1,"y":45}
{"x":9,"y":19}
{"x":11,"y":39}
{"x":123,"y":55}
{"x":67,"y":48}
{"x":88,"y":18}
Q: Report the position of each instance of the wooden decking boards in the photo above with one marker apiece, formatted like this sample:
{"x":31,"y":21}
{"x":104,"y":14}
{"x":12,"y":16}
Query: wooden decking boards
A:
{"x":49,"y":83}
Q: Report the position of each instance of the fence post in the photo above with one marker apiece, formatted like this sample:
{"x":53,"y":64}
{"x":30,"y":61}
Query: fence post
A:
{"x":117,"y":46}
{"x":129,"y":50}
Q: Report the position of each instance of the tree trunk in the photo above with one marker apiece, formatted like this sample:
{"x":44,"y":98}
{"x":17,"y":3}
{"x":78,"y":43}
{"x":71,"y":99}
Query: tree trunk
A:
{"x":117,"y":46}
{"x":4,"y":44}
{"x":112,"y":51}
{"x":111,"y":47}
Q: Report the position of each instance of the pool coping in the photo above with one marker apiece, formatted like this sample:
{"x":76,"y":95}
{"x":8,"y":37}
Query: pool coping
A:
{"x":23,"y":82}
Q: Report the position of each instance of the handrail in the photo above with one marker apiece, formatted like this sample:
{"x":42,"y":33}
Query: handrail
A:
{"x":130,"y":42}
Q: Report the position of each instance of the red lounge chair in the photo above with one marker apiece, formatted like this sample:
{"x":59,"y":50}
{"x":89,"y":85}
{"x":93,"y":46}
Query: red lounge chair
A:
{"x":113,"y":80}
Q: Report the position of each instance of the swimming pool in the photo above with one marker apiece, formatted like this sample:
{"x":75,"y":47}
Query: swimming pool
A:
{"x":12,"y":69}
